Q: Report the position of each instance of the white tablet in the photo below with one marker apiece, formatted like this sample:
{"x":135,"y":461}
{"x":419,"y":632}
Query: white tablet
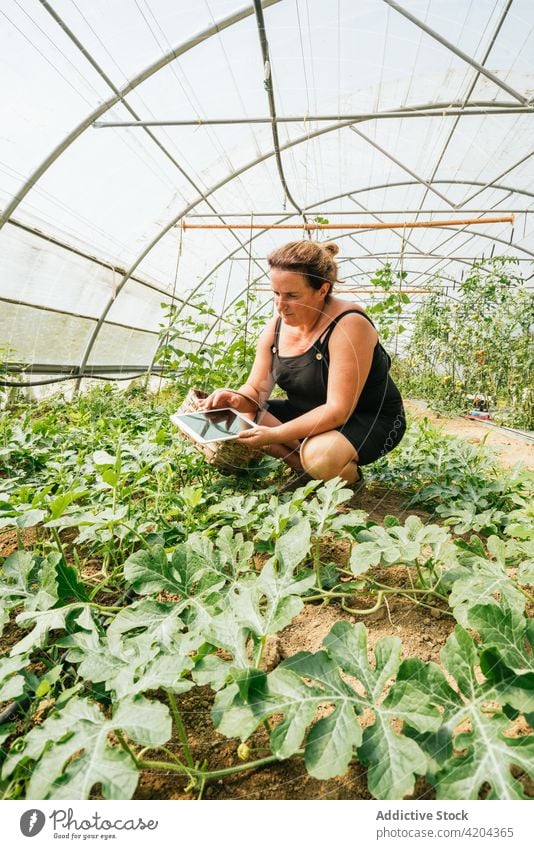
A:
{"x":212,"y":425}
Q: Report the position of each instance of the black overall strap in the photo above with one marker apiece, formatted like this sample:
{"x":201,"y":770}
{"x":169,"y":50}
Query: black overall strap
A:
{"x":276,"y":339}
{"x":325,"y":335}
{"x":322,"y":342}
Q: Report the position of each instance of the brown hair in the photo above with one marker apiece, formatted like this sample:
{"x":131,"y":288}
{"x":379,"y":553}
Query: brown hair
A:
{"x":315,"y":260}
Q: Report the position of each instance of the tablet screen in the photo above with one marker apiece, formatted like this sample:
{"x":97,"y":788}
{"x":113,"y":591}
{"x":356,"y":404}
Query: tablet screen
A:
{"x":213,"y":425}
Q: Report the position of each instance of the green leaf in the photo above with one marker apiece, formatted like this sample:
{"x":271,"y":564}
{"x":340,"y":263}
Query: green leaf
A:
{"x":11,"y":683}
{"x":160,"y":620}
{"x":331,"y":742}
{"x":102,"y":458}
{"x":479,"y":581}
{"x":505,"y":631}
{"x":44,"y":622}
{"x":297,"y":702}
{"x":73,"y":751}
{"x":462,"y":761}
{"x":30,"y":518}
{"x":59,"y":504}
{"x":525,"y":573}
{"x":322,"y":509}
{"x":43,"y":688}
{"x":69,"y":586}
{"x":149,"y":571}
{"x":488,"y":758}
{"x":364,"y":556}
{"x":110,"y":477}
{"x":131,"y":667}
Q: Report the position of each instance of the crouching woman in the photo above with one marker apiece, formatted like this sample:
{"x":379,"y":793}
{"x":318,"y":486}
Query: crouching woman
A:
{"x":342,"y":410}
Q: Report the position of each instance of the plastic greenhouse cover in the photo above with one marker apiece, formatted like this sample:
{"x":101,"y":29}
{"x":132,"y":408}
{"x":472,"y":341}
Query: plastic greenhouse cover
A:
{"x":96,"y":234}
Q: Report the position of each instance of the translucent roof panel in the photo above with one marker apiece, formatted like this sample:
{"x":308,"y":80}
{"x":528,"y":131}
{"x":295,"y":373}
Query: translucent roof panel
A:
{"x":127,"y":123}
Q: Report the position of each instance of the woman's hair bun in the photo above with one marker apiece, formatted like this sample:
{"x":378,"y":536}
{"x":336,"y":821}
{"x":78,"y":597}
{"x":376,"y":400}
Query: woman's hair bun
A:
{"x":331,"y":248}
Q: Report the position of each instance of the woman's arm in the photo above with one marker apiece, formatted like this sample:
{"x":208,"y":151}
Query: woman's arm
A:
{"x":351,"y":349}
{"x":259,"y":383}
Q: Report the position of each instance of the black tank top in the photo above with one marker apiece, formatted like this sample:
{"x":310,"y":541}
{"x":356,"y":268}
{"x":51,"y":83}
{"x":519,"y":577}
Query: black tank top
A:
{"x":305,"y":377}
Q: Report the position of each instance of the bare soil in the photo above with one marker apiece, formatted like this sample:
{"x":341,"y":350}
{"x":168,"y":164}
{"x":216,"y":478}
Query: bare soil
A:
{"x":423,"y":633}
{"x":509,"y":448}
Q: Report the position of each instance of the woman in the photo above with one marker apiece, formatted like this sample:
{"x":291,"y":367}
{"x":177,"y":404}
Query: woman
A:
{"x":342,"y":409}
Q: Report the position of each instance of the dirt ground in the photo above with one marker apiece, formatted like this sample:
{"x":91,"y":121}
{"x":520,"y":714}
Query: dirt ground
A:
{"x":509,"y":448}
{"x":423,"y":633}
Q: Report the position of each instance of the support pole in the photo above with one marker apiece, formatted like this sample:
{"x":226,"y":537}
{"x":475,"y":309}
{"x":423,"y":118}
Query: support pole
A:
{"x":312,"y":226}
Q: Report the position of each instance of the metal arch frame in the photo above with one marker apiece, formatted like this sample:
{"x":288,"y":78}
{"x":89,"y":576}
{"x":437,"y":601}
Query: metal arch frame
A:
{"x":460,"y":53}
{"x":470,"y":90}
{"x":410,"y":271}
{"x":183,"y":212}
{"x":398,"y":183}
{"x":465,"y":242}
{"x":220,"y":184}
{"x":264,"y":46}
{"x":429,"y":187}
{"x":87,"y":55}
{"x":505,"y":188}
{"x":472,"y":233}
{"x":241,"y":291}
{"x":262,"y":306}
{"x":161,"y":63}
{"x":309,"y":209}
{"x":401,"y":236}
{"x":498,"y":177}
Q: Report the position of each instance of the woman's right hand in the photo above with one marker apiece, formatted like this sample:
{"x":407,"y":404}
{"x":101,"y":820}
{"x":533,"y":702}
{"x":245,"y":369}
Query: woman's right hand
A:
{"x":225,"y":398}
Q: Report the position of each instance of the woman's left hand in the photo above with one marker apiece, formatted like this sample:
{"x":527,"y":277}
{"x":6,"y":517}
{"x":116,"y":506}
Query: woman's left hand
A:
{"x":259,"y":437}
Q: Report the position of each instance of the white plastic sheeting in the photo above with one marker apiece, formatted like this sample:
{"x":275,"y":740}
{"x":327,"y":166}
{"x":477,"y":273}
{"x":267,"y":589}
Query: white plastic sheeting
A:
{"x":91,"y":247}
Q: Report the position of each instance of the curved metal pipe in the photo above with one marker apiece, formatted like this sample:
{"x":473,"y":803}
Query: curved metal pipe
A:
{"x":351,"y":235}
{"x":182,"y":48}
{"x":268,"y":84}
{"x":210,"y":191}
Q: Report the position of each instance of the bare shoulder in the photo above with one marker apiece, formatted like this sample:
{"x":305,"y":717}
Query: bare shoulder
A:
{"x":340,"y":305}
{"x":355,"y":325}
{"x":267,"y":334}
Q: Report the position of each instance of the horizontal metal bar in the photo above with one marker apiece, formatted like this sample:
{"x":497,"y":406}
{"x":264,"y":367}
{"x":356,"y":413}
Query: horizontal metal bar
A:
{"x":356,"y":212}
{"x":71,"y":249}
{"x":435,"y":110}
{"x":397,"y":254}
{"x":376,"y":291}
{"x":311,"y":226}
{"x":72,"y":369}
{"x":44,"y":308}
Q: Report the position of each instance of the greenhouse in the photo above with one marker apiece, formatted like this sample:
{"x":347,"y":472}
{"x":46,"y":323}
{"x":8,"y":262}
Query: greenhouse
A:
{"x":317,"y":217}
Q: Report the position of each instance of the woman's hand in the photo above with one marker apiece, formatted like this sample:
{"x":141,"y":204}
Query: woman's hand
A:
{"x":259,"y":436}
{"x":225,"y":398}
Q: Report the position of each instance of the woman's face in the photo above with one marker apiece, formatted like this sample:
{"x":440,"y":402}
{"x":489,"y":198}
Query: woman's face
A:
{"x":295,"y":300}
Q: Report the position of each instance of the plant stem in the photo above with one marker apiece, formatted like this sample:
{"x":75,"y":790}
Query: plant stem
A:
{"x":105,"y":582}
{"x":207,"y":775}
{"x":180,"y":728}
{"x":263,"y":641}
{"x":376,"y":607}
{"x":57,"y":540}
{"x":317,"y":562}
{"x":125,"y":746}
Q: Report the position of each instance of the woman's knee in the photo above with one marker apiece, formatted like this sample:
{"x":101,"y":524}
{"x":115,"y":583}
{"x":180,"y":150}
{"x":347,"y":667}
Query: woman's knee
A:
{"x":326,"y":456}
